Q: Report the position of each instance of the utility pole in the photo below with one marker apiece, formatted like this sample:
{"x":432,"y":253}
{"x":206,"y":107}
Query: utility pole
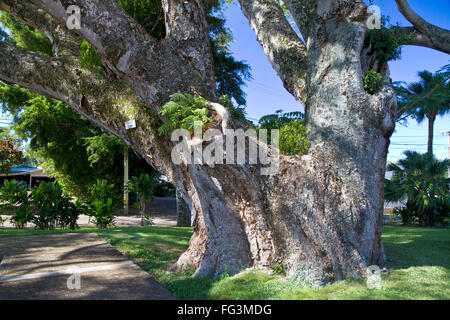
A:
{"x":448,"y":156}
{"x":125,"y":180}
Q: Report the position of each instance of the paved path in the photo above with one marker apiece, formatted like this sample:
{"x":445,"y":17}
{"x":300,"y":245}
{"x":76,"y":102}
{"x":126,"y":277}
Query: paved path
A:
{"x":39,"y":267}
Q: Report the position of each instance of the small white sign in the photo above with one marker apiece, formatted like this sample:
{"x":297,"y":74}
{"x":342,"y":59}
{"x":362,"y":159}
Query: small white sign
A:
{"x":130,"y":124}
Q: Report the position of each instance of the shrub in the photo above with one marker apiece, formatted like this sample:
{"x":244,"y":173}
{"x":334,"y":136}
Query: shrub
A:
{"x":52,"y":208}
{"x":407,"y":214}
{"x":103,"y":200}
{"x":15,"y":197}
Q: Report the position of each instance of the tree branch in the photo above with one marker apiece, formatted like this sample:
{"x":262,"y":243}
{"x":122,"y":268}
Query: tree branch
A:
{"x":426,"y":34}
{"x":187,"y":32}
{"x":152,"y":68}
{"x":36,"y":72}
{"x":282,"y":46}
{"x":105,"y":101}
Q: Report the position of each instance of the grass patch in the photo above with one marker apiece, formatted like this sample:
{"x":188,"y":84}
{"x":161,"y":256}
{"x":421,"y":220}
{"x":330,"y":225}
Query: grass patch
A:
{"x":419,"y":258}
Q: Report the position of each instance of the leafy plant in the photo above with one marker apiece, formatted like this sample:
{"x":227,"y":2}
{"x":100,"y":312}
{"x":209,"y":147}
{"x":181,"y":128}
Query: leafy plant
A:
{"x":144,"y":186}
{"x":103,"y":200}
{"x":52,"y":208}
{"x":422,"y":180}
{"x":373,"y":81}
{"x":182,"y":111}
{"x":15,"y":197}
{"x":426,"y":99}
{"x":386,"y":41}
{"x":148,"y":220}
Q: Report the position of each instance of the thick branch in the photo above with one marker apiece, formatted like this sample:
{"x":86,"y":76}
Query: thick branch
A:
{"x":153,"y":69}
{"x":35,"y":72}
{"x":187,"y":33}
{"x":426,"y":34}
{"x":282,"y":46}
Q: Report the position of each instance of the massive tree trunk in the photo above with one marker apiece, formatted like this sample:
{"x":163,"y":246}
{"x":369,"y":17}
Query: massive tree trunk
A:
{"x":320,"y":216}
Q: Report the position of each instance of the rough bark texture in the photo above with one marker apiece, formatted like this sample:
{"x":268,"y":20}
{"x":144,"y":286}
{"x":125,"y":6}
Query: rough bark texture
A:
{"x":183,"y":212}
{"x":320,"y":216}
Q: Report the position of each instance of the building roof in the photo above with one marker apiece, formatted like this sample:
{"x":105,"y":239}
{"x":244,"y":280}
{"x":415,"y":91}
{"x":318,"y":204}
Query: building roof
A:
{"x":23,"y":168}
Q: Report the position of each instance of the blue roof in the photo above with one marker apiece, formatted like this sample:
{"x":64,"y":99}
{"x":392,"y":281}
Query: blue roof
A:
{"x":22,"y":168}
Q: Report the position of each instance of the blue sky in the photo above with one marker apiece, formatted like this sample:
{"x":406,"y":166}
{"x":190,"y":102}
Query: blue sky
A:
{"x":265,"y":93}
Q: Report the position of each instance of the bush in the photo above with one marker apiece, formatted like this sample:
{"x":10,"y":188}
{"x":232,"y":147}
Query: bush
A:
{"x":15,"y":197}
{"x":103,"y":200}
{"x":407,"y":214}
{"x":52,"y":208}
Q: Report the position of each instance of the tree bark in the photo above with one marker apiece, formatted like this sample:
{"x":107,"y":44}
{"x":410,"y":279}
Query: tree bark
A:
{"x":320,"y":216}
{"x":183,"y":212}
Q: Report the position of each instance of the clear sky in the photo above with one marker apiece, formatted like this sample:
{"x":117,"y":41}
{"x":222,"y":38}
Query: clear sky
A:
{"x":265,"y":93}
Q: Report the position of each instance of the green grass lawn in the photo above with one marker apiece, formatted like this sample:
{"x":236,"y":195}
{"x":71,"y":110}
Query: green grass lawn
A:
{"x":419,"y":258}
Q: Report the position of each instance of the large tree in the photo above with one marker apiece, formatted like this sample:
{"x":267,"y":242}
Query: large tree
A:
{"x":321,"y":215}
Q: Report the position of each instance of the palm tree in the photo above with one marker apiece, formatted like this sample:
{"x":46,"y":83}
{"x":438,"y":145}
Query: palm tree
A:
{"x":422,"y":180}
{"x":425,"y":99}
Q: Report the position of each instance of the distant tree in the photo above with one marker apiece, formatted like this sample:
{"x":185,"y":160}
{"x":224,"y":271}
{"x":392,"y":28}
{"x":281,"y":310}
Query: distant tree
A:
{"x":9,"y":154}
{"x":422,"y":181}
{"x":425,"y":99}
{"x":144,"y":186}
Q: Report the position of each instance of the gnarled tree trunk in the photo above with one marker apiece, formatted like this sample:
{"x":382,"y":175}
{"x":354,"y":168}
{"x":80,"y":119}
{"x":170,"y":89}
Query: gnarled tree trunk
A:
{"x":320,"y":216}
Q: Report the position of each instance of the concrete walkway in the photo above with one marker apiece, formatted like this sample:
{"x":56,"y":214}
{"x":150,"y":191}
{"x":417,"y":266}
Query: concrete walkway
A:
{"x":71,"y":266}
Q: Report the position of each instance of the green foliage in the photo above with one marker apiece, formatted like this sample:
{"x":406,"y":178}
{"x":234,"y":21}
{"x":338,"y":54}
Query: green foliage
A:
{"x":278,"y":269}
{"x":182,"y":111}
{"x":45,"y":206}
{"x":292,"y":131}
{"x":148,"y":13}
{"x":422,"y":180}
{"x":373,"y":81}
{"x":24,"y":36}
{"x":144,"y":186}
{"x":103,"y":200}
{"x":406,"y":212}
{"x":386,"y":41}
{"x":148,"y":220}
{"x":15,"y":197}
{"x":293,"y":138}
{"x":89,"y":58}
{"x":53,"y":208}
{"x":427,"y":98}
{"x":65,"y":144}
